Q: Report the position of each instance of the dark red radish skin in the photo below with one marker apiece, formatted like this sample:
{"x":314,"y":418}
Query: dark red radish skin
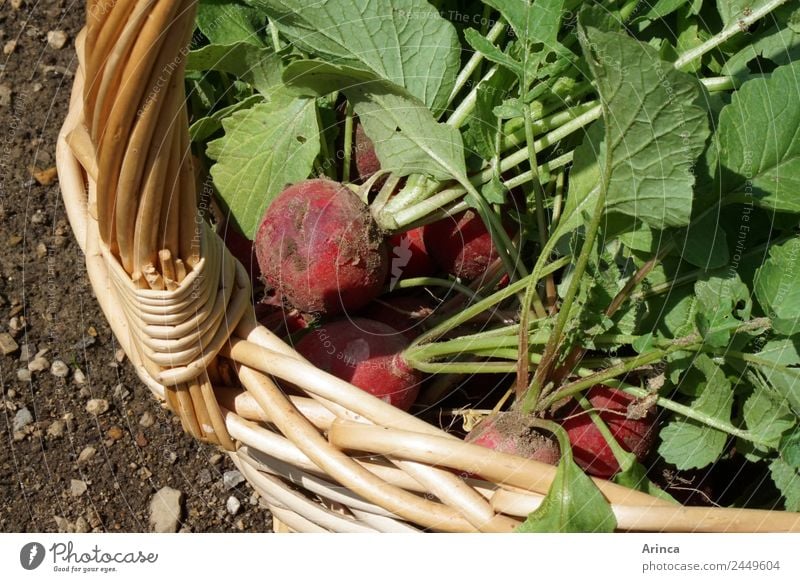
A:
{"x":242,"y":248}
{"x":318,"y":246}
{"x":507,"y":432}
{"x":408,"y":256}
{"x":589,"y":448}
{"x":367,"y":354}
{"x":405,"y":313}
{"x":461,"y":245}
{"x":367,"y":162}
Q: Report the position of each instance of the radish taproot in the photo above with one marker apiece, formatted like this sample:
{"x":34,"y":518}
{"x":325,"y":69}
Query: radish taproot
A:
{"x":634,"y":432}
{"x":461,"y":245}
{"x":367,"y":354}
{"x":318,"y":246}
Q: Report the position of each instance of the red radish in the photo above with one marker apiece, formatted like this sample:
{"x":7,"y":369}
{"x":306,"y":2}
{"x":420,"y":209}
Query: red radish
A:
{"x":365,"y":353}
{"x":241,"y":247}
{"x":461,"y":245}
{"x":318,"y":246}
{"x":367,"y":162}
{"x":507,"y":432}
{"x":589,"y":448}
{"x":405,"y":313}
{"x":408,"y":256}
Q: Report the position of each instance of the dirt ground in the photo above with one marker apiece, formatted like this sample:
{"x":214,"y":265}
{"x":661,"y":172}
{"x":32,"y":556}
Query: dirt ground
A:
{"x":63,"y":467}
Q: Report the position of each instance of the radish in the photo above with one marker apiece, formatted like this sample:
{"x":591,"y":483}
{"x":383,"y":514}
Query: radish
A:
{"x":367,"y":162}
{"x":241,"y":247}
{"x":461,"y":245}
{"x":319,"y":248}
{"x":507,"y":432}
{"x":590,"y":449}
{"x":405,"y":313}
{"x":409,"y":257}
{"x":367,"y":354}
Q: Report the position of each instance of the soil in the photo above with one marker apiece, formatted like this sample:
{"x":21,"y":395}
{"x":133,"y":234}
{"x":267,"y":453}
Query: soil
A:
{"x":47,"y":307}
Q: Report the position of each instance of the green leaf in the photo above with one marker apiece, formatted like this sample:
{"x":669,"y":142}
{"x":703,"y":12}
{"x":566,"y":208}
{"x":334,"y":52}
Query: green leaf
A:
{"x":656,"y":131}
{"x":773,"y":368}
{"x":719,"y":298}
{"x":534,"y":22}
{"x":759,"y":145}
{"x":732,"y":10}
{"x":482,"y":45}
{"x":787,"y":479}
{"x":264,"y":148}
{"x":690,"y":444}
{"x":790,"y":447}
{"x":767,"y":417}
{"x":661,"y":9}
{"x":261,"y":67}
{"x":406,"y":136}
{"x":483,"y":123}
{"x":635,"y":477}
{"x":779,"y":44}
{"x":228,"y":22}
{"x":573,"y":503}
{"x":777,"y":286}
{"x":784,"y":352}
{"x":405,"y":42}
{"x":204,"y":127}
{"x":704,"y":243}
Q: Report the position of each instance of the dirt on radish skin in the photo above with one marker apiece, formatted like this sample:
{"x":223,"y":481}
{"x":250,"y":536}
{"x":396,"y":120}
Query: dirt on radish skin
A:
{"x":589,"y":448}
{"x":508,"y":432}
{"x":461,"y":245}
{"x":367,"y":354}
{"x":318,"y":246}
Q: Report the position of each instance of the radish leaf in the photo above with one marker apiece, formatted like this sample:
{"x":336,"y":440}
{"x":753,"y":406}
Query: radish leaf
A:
{"x":777,"y":288}
{"x":404,"y":42}
{"x":787,"y":478}
{"x":264,"y":148}
{"x":227,"y":22}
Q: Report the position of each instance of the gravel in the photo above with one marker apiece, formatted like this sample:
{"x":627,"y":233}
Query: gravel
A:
{"x":22,"y":419}
{"x":232,"y":479}
{"x":97,"y":406}
{"x":165,"y":510}
{"x":59,"y":369}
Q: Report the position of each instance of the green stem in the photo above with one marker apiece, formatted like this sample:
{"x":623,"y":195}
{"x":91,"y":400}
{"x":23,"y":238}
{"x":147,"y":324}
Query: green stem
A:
{"x":348,"y":142}
{"x":467,"y":105}
{"x":727,"y":33}
{"x":623,"y":457}
{"x":474,"y":61}
{"x":435,"y":282}
{"x":273,"y":31}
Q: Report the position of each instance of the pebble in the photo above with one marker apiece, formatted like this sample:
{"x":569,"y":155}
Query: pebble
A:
{"x":165,"y":510}
{"x":215,"y":459}
{"x":141,"y":440}
{"x":56,"y":430}
{"x":24,"y":375}
{"x":81,"y":525}
{"x":97,"y":406}
{"x":86,"y":455}
{"x":23,"y":418}
{"x":5,"y":95}
{"x":115,"y":433}
{"x":38,"y":364}
{"x":7,"y":344}
{"x":59,"y":369}
{"x":17,"y":323}
{"x":9,"y":47}
{"x":119,"y":355}
{"x":121,"y":393}
{"x":253,"y":499}
{"x":57,"y":39}
{"x":233,"y":505}
{"x":41,"y":250}
{"x":147,"y":420}
{"x":77,"y":487}
{"x":26,"y":352}
{"x":79,"y":377}
{"x":231,"y":479}
{"x":63,"y":525}
{"x":204,"y":477}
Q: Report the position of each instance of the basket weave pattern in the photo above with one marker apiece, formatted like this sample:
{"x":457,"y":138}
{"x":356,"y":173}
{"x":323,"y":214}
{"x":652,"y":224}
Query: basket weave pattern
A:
{"x":179,"y":305}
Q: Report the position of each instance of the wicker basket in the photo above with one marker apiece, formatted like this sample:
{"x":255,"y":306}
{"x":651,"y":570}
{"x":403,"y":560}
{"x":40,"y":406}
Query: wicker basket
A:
{"x":333,"y":458}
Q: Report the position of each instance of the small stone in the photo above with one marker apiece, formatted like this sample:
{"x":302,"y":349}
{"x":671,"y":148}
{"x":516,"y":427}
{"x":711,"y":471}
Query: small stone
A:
{"x":81,"y":525}
{"x":59,"y":369}
{"x":233,"y":505}
{"x":115,"y":433}
{"x":91,"y":331}
{"x":119,"y":355}
{"x":56,"y":430}
{"x":172,"y":457}
{"x":231,"y":479}
{"x":7,"y":344}
{"x":253,"y":499}
{"x":204,"y":477}
{"x":16,"y":4}
{"x":57,"y":39}
{"x":97,"y":406}
{"x":19,"y":435}
{"x":41,"y":250}
{"x":147,"y":419}
{"x":240,"y":524}
{"x":79,"y":377}
{"x":165,"y":510}
{"x":93,"y":518}
{"x":17,"y":323}
{"x":45,"y":178}
{"x":145,"y":474}
{"x":63,"y":525}
{"x":9,"y":47}
{"x":86,"y":455}
{"x":38,"y":364}
{"x":121,"y":393}
{"x":11,"y":393}
{"x":26,"y":352}
{"x":215,"y":459}
{"x":22,"y":419}
{"x":77,"y":487}
{"x":141,"y":440}
{"x":5,"y":100}
{"x":23,"y":375}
